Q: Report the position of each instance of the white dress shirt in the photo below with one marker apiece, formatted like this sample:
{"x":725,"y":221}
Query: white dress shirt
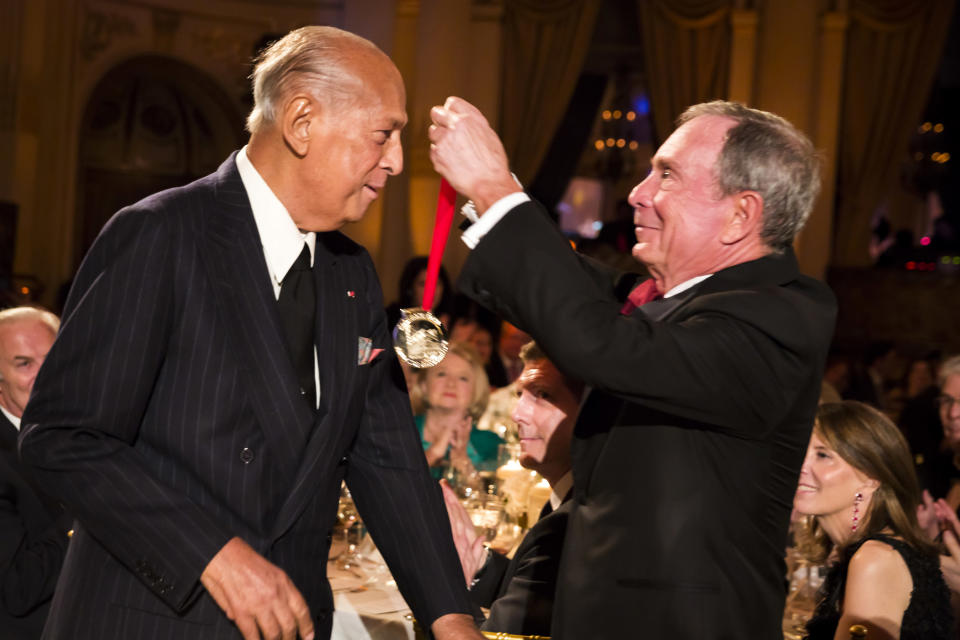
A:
{"x":14,"y":420}
{"x":559,"y":491}
{"x":281,"y":239}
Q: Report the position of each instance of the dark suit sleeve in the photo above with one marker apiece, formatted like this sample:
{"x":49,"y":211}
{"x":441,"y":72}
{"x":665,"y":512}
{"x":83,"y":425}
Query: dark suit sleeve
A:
{"x":524,"y":604}
{"x":489,"y":578}
{"x":399,"y":501}
{"x":30,"y":559}
{"x":719,"y":365}
{"x":88,"y":402}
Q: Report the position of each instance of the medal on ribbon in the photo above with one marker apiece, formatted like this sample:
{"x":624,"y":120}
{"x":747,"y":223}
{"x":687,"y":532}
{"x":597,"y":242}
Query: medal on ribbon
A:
{"x":419,"y":337}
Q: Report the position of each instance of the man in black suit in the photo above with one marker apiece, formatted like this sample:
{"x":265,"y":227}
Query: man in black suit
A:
{"x":33,"y":527}
{"x":224,"y":363}
{"x":519,"y":591}
{"x":688,"y":447}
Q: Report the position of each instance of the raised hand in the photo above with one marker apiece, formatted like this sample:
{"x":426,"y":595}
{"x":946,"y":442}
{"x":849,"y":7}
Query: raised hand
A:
{"x":257,"y":595}
{"x":927,"y":516}
{"x":466,"y":151}
{"x":469,"y":544}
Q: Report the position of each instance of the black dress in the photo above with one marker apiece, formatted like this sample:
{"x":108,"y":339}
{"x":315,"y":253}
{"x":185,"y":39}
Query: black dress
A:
{"x":928,"y":616}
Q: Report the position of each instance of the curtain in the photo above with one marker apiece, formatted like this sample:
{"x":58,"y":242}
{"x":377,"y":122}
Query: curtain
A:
{"x":686,"y":46}
{"x":544,"y":46}
{"x":893,"y":50}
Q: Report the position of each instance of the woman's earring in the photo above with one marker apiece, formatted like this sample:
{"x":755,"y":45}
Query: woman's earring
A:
{"x":857,"y":499}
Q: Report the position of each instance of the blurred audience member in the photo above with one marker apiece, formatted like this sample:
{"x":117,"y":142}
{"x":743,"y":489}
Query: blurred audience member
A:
{"x":919,"y":375}
{"x":858,"y":486}
{"x":519,"y":592}
{"x":447,"y":400}
{"x":512,"y":341}
{"x":870,"y":381}
{"x":413,"y":278}
{"x":945,"y":471}
{"x":482,"y":331}
{"x":919,"y":421}
{"x":947,"y":525}
{"x":836,"y":378}
{"x":33,"y":527}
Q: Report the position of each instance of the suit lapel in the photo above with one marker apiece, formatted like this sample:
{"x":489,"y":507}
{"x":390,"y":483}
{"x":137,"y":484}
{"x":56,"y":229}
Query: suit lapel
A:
{"x":336,"y":322}
{"x":8,"y":434}
{"x":241,"y":285}
{"x":336,"y":337}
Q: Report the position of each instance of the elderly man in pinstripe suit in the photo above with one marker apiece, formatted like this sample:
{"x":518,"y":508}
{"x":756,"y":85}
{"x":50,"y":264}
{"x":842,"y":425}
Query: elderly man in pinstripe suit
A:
{"x":179,"y":423}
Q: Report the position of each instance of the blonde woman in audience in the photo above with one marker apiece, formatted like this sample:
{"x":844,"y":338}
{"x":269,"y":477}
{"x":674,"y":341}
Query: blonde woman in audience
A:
{"x":447,"y":400}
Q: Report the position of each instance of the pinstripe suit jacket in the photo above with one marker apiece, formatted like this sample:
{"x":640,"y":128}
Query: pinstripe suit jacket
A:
{"x":167,"y":416}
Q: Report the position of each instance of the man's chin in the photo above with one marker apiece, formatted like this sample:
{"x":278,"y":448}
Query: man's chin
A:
{"x":641,"y":252}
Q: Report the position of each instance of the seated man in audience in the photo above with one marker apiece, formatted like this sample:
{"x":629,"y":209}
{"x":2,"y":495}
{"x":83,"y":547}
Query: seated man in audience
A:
{"x":519,"y":592}
{"x":949,"y":405}
{"x":33,"y":527}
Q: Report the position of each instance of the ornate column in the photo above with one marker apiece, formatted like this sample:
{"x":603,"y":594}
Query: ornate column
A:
{"x":482,"y":89}
{"x":814,"y":246}
{"x":11,"y":17}
{"x":45,"y":133}
{"x":743,"y":53}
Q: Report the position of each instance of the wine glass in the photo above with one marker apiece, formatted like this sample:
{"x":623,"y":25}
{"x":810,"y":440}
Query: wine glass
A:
{"x":486,"y":512}
{"x":351,"y":532}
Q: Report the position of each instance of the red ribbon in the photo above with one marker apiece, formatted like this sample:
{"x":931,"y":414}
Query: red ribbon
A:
{"x":441,"y":229}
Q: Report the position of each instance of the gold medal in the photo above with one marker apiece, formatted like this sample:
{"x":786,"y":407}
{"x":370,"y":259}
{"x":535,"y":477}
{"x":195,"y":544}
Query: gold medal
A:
{"x":419,"y":338}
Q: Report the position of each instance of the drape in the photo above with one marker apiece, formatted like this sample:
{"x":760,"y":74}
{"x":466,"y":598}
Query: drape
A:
{"x":686,"y":45}
{"x":893,"y":47}
{"x":544,"y":46}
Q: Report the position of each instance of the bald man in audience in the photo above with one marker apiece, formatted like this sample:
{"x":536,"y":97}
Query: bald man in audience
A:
{"x":519,"y":592}
{"x":33,"y":527}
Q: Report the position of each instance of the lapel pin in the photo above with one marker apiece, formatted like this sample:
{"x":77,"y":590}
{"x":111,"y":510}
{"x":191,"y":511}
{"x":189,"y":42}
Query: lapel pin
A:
{"x":351,"y":293}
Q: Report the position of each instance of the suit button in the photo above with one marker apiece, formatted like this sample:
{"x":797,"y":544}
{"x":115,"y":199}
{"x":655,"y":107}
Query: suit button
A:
{"x":246,"y":455}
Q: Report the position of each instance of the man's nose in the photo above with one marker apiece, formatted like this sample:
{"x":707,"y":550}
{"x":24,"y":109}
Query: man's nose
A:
{"x":520,"y":412}
{"x":640,"y":195}
{"x":393,"y":157}
{"x":954,"y":411}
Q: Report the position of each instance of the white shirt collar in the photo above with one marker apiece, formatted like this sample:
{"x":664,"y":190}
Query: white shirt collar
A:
{"x":14,"y":420}
{"x":560,"y":490}
{"x":282,"y":240}
{"x":683,"y":286}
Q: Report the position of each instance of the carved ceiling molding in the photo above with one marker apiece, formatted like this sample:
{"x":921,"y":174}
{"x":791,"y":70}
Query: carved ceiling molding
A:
{"x":101,"y":28}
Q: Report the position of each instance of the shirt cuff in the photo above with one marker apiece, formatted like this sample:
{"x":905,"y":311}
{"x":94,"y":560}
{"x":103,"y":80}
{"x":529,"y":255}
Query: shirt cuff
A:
{"x":472,"y":236}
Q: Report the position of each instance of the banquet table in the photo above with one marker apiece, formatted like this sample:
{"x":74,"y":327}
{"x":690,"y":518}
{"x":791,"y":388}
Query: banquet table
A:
{"x":373,"y":609}
{"x":367,"y":603}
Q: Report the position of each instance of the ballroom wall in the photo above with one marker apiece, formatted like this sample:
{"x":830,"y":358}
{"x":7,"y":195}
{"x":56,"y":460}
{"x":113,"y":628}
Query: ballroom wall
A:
{"x":786,"y":56}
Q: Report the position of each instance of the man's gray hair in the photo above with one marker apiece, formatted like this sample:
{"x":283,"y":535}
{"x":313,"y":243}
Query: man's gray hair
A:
{"x":17,"y":314}
{"x":311,"y":59}
{"x":950,"y":367}
{"x":765,"y":153}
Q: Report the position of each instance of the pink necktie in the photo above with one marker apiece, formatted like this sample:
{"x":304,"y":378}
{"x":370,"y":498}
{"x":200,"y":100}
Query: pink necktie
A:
{"x":643,"y":293}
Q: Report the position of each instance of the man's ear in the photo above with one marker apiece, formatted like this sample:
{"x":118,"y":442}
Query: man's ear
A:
{"x":745,"y":219}
{"x":298,"y":123}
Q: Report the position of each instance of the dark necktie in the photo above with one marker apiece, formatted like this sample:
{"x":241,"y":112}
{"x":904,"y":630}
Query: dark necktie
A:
{"x":298,"y":303}
{"x":643,"y":293}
